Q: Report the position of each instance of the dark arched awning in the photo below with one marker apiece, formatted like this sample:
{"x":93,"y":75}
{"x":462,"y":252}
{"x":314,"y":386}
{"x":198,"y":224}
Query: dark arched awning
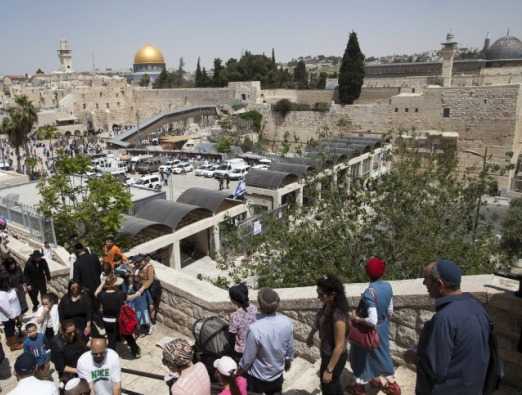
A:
{"x":174,"y":214}
{"x":299,"y":169}
{"x":131,"y":226}
{"x":214,"y":201}
{"x":269,"y":179}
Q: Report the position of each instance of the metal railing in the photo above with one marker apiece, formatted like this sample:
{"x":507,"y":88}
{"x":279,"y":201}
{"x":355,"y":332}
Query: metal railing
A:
{"x":38,"y":226}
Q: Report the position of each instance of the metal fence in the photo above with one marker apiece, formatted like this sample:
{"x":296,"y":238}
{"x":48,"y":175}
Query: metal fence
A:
{"x":39,"y":227}
{"x":255,"y":225}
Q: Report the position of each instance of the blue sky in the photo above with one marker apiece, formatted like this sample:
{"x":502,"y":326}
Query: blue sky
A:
{"x":115,"y":29}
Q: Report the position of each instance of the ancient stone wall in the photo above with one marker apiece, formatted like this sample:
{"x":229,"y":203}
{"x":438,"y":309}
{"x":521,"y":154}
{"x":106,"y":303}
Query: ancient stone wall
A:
{"x":301,"y":96}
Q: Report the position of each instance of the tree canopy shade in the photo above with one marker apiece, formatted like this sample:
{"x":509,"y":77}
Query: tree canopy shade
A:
{"x":512,"y":229}
{"x":351,"y":74}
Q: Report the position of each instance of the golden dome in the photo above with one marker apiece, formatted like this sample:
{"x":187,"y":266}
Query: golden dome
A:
{"x":149,"y":55}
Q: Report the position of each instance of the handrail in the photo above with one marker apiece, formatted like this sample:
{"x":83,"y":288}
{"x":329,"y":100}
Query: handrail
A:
{"x":513,"y":276}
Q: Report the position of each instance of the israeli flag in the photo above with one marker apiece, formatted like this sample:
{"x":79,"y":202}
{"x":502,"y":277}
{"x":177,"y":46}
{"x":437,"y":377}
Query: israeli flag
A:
{"x":240,"y":189}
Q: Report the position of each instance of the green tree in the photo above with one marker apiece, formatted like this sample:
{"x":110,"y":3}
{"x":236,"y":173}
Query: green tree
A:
{"x":179,"y":79}
{"x":88,"y":208}
{"x":47,"y":132}
{"x":163,"y":81}
{"x":199,"y":76}
{"x":219,"y":78}
{"x":145,"y":80}
{"x":254,"y":116}
{"x":351,"y":75}
{"x":247,"y":145}
{"x":300,"y":75}
{"x":512,"y":230}
{"x":18,"y":124}
{"x":414,"y":214}
{"x":223,"y":145}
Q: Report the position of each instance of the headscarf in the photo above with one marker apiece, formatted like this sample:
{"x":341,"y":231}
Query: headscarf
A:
{"x":375,"y":268}
{"x":178,"y":353}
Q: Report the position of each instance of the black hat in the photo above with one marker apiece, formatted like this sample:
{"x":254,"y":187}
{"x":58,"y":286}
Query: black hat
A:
{"x":37,"y":254}
{"x":137,"y":258}
{"x":25,"y":363}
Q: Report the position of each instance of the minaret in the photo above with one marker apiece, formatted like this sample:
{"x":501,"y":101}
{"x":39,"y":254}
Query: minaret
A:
{"x":448,"y":51}
{"x":65,"y":56}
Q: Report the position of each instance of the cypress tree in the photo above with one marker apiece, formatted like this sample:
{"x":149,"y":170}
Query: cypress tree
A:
{"x":351,"y":75}
{"x":273,"y":56}
{"x":300,"y":75}
{"x":198,"y":78}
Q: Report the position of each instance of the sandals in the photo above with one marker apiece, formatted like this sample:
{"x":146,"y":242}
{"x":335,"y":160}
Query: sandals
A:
{"x":391,"y":388}
{"x":356,"y":389}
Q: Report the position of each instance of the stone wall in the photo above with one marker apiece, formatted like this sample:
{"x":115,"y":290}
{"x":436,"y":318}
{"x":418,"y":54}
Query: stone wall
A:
{"x":186,"y":299}
{"x":483,"y":116}
{"x":301,"y":96}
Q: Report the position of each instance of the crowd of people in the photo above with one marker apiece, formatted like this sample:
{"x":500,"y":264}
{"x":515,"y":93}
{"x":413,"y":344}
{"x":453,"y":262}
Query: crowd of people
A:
{"x":108,"y":301}
{"x":116,"y":299}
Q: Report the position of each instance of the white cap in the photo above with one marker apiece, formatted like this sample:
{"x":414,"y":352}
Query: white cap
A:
{"x":226,"y":366}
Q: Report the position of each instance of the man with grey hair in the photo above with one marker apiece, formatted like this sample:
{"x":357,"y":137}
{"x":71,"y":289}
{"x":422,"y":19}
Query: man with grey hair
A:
{"x":269,"y":347}
{"x":453,"y":353}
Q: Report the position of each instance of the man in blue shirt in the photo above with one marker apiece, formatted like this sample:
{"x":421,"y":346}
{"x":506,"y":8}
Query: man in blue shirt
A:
{"x":269,"y":347}
{"x":453,"y":352}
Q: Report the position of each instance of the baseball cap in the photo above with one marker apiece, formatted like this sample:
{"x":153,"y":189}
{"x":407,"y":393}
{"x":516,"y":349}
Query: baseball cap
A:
{"x":25,"y":363}
{"x":226,"y":366}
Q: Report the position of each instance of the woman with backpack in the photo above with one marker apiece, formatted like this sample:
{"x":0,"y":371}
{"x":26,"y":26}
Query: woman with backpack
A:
{"x":112,"y":301}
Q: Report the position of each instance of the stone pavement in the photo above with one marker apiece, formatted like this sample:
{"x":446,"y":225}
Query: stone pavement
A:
{"x":302,"y":379}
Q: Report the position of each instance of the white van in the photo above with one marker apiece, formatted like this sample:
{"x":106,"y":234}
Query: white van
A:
{"x":226,"y":168}
{"x":151,"y":181}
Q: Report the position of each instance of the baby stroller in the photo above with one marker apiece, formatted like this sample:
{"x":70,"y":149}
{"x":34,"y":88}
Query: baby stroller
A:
{"x":212,"y":341}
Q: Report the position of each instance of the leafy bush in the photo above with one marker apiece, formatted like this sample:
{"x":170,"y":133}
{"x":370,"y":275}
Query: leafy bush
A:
{"x":254,"y":116}
{"x":321,"y":107}
{"x":283,"y":107}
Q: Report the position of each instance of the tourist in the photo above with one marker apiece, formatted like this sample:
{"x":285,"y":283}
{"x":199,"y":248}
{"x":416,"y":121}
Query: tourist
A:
{"x":35,"y":343}
{"x":7,"y":315}
{"x":66,"y":348}
{"x":101,"y":368}
{"x":76,"y":306}
{"x":375,"y":309}
{"x":87,"y":270}
{"x":140,"y":301}
{"x":16,"y":281}
{"x":192,"y":379}
{"x":111,"y":299}
{"x":36,"y":274}
{"x":453,"y":353}
{"x":47,"y":317}
{"x":150,"y":283}
{"x":24,"y":368}
{"x":240,"y":319}
{"x":106,"y":271}
{"x":110,"y":250}
{"x":233,"y":384}
{"x":269,"y":347}
{"x":77,"y":386}
{"x":331,"y":322}
{"x":47,"y":251}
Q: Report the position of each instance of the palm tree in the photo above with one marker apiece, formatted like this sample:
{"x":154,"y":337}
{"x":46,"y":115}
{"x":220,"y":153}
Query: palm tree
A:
{"x":47,"y":132}
{"x":18,"y":125}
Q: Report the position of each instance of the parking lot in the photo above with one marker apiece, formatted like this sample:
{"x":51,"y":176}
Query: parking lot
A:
{"x":185,"y":181}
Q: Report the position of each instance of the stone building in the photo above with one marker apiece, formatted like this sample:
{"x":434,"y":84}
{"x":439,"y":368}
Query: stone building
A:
{"x":147,"y":61}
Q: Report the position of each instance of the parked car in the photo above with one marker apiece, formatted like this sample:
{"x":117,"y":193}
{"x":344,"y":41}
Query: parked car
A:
{"x":209,"y":173}
{"x":183,"y":167}
{"x":225,"y":168}
{"x":148,"y":166}
{"x":151,"y":181}
{"x":261,"y":167}
{"x":168,"y":165}
{"x":200,"y":171}
{"x":236,"y":174}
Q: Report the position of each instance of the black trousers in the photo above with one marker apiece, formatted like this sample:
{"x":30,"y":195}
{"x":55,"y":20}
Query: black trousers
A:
{"x":9,"y":328}
{"x":113,"y":336}
{"x":35,"y":290}
{"x":265,"y":387}
{"x":334,"y":387}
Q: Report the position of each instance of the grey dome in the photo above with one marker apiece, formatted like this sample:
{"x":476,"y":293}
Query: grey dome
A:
{"x":507,"y":47}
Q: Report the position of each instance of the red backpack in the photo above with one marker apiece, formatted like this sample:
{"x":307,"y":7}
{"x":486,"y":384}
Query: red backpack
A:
{"x":128,"y":322}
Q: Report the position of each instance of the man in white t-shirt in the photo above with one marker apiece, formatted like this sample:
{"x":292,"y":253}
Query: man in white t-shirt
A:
{"x":101,"y":368}
{"x":25,"y":367}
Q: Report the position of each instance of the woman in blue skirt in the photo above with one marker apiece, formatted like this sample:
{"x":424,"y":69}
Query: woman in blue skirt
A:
{"x":375,"y":309}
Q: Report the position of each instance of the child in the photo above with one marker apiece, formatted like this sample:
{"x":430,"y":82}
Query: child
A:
{"x":35,"y":344}
{"x":140,"y":303}
{"x":47,"y":316}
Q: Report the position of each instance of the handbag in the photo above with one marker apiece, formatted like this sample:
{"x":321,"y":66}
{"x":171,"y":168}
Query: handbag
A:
{"x":363,"y":335}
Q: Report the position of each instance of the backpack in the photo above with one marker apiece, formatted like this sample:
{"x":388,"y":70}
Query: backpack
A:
{"x":495,"y":372}
{"x":128,"y":322}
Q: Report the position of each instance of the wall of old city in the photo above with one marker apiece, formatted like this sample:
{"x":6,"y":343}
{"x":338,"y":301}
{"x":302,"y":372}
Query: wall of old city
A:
{"x":482,"y":115}
{"x":186,"y":299}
